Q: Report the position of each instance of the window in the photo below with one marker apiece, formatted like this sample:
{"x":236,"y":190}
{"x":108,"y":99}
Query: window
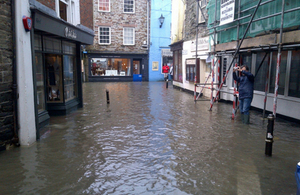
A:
{"x":128,"y":6}
{"x":261,"y":74}
{"x":192,"y":70}
{"x":104,"y":5}
{"x":208,"y":67}
{"x":40,"y":87}
{"x":104,"y":35}
{"x":177,"y":55}
{"x":69,"y":77}
{"x":110,"y":67}
{"x":294,"y":83}
{"x":283,"y":64}
{"x":128,"y":34}
{"x":63,"y":10}
{"x":54,"y":77}
{"x":224,"y":69}
{"x":202,"y":9}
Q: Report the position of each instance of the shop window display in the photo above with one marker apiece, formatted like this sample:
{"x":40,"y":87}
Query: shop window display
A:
{"x":54,"y":77}
{"x":110,"y":67}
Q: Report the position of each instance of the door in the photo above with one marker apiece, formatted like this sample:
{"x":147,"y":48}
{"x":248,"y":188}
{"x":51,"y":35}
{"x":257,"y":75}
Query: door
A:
{"x":136,"y":66}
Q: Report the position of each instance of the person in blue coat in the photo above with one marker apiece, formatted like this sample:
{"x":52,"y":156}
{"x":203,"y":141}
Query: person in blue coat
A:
{"x":246,"y":83}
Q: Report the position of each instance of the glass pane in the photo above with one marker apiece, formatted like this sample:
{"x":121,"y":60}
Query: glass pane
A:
{"x":54,"y":78}
{"x":104,"y":35}
{"x":69,"y":77}
{"x":103,"y":5}
{"x":69,"y":48}
{"x":110,"y":67}
{"x":40,"y":87}
{"x":282,"y":72}
{"x":175,"y":56}
{"x":52,"y":45}
{"x":128,"y":36}
{"x":294,"y":83}
{"x":136,"y":67}
{"x":38,"y":42}
{"x":261,"y":74}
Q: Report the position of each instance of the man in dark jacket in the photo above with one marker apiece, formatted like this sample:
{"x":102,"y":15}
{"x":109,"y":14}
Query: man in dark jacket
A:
{"x":246,"y":82}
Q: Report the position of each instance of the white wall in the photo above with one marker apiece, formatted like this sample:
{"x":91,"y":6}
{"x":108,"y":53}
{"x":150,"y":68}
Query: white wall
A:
{"x":26,"y":113}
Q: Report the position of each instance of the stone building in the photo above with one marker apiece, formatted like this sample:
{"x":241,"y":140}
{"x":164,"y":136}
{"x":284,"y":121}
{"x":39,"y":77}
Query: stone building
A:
{"x":7,"y":111}
{"x":120,"y":49}
{"x":191,"y":62}
{"x":40,"y":60}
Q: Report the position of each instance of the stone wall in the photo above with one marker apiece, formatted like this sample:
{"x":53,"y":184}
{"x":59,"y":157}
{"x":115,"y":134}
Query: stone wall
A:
{"x":117,"y":20}
{"x":191,"y":21}
{"x":6,"y":79}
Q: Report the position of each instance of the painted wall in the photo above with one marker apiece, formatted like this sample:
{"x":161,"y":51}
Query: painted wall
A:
{"x":178,"y":10}
{"x":26,"y":114}
{"x":159,"y":37}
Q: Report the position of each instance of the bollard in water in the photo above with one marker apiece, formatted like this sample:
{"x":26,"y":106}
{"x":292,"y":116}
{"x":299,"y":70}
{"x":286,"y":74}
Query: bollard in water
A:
{"x":107,"y":96}
{"x":269,"y":135}
{"x":167,"y":83}
{"x":297,"y":175}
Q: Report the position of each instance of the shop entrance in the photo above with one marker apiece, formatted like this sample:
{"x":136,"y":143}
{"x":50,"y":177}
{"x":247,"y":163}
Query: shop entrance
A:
{"x":136,"y":66}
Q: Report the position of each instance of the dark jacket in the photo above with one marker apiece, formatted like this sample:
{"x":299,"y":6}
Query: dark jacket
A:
{"x":246,"y":82}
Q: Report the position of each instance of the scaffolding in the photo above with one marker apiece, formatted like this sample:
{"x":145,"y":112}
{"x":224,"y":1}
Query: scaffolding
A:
{"x":248,"y":14}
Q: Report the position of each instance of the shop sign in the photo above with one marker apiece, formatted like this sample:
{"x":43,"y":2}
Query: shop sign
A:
{"x":166,"y":52}
{"x":227,"y":11}
{"x":202,"y":44}
{"x":70,"y":33}
{"x":190,"y":62}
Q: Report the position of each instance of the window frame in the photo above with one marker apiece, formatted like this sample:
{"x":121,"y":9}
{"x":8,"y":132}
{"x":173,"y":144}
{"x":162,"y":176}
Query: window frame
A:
{"x":103,"y":2}
{"x":133,"y":37}
{"x":108,"y":35}
{"x":133,"y":9}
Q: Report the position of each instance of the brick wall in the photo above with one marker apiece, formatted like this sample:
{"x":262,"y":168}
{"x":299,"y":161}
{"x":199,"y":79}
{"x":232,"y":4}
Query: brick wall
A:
{"x":191,"y":21}
{"x":6,"y":56}
{"x":117,"y":20}
{"x":48,"y":3}
{"x":86,"y":13}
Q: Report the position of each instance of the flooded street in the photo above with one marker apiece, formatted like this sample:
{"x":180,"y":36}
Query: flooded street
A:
{"x":152,"y":140}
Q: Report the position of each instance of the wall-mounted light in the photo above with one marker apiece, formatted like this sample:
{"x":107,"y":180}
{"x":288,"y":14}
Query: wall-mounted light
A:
{"x":161,"y":20}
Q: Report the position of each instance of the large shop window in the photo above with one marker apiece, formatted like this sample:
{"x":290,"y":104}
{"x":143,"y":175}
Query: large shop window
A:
{"x":56,"y":74}
{"x":283,"y":66}
{"x":110,"y":67}
{"x":260,"y":77}
{"x":54,"y":77}
{"x":294,"y":82}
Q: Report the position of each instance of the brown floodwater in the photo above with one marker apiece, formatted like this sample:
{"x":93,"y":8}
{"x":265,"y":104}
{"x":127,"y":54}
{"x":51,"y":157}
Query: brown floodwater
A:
{"x":152,"y":140}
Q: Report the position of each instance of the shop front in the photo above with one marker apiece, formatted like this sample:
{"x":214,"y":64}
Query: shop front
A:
{"x":57,"y":65}
{"x":112,"y":67}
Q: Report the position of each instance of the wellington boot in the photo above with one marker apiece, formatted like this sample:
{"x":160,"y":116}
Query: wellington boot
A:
{"x":246,"y":119}
{"x":242,"y":117}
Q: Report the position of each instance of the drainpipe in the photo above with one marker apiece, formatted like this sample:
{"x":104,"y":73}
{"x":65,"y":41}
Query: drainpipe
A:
{"x":148,"y":25}
{"x":15,"y":139}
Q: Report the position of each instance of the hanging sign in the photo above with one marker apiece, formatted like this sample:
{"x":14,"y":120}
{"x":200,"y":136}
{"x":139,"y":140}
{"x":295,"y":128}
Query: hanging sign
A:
{"x":227,"y":11}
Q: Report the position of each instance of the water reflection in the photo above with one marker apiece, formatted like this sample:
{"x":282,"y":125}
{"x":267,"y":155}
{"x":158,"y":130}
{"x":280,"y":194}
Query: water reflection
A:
{"x":151,"y":140}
